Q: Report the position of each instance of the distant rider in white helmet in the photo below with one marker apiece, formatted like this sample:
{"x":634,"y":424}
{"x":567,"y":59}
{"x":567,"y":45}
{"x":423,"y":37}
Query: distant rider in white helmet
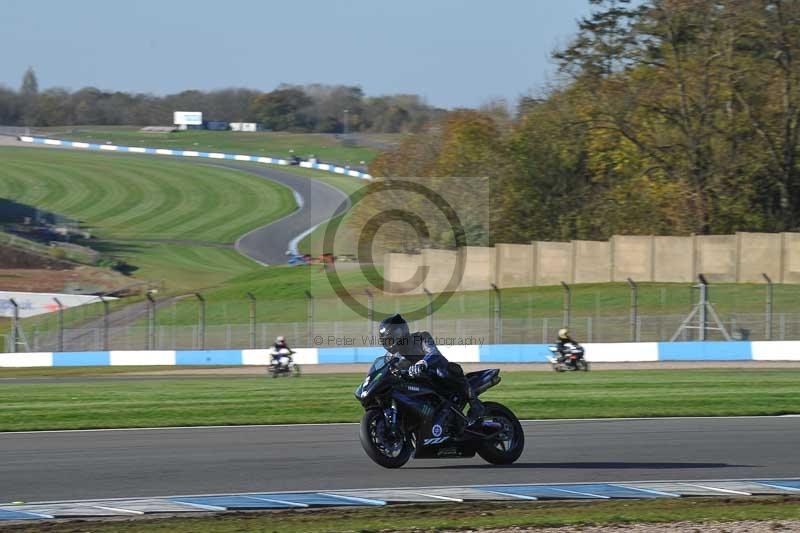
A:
{"x":281,"y":349}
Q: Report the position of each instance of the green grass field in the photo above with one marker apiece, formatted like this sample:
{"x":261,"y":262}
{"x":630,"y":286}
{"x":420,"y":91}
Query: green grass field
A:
{"x":169,"y":219}
{"x":475,"y":516}
{"x":283,"y":295}
{"x":189,"y":401}
{"x":325,"y":147}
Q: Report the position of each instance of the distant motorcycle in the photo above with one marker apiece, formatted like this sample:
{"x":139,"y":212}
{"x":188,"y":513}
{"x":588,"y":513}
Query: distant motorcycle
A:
{"x":283,"y":364}
{"x":406,"y":418}
{"x":571,"y":359}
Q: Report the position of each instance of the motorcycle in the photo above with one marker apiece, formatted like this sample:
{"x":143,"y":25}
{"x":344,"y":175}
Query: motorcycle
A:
{"x":283,"y":365}
{"x":405,"y":418}
{"x":570,"y":360}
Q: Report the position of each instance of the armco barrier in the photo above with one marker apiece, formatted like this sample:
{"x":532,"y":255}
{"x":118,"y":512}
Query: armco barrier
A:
{"x":191,"y":153}
{"x":497,"y":353}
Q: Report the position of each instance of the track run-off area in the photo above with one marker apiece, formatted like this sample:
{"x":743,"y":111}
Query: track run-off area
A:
{"x":128,"y":463}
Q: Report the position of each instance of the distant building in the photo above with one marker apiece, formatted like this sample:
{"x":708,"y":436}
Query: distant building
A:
{"x":188,"y":120}
{"x":216,"y":125}
{"x":246,"y":126}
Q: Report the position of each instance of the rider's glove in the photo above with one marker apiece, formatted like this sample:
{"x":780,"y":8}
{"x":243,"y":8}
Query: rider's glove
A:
{"x":417,"y":369}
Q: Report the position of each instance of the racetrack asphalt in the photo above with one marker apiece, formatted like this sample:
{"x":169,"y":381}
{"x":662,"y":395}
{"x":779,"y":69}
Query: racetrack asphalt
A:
{"x":39,"y":466}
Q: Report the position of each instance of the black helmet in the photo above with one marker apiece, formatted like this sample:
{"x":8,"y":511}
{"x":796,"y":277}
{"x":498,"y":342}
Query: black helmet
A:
{"x":393,"y":332}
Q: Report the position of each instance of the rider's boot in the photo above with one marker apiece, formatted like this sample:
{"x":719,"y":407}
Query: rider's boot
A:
{"x":476,"y":413}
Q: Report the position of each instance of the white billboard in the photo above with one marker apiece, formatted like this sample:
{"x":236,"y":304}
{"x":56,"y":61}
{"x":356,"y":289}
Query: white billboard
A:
{"x":188,"y":118}
{"x":39,"y":303}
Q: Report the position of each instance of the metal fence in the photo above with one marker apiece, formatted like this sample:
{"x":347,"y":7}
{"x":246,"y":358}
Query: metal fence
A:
{"x":755,"y":312}
{"x":357,"y":333}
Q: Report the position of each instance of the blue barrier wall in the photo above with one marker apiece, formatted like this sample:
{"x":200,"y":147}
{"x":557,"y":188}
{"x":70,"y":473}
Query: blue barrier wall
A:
{"x":349,"y":355}
{"x":704,"y":351}
{"x":498,"y":353}
{"x":514,"y":353}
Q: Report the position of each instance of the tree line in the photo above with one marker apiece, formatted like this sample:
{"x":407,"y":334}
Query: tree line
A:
{"x":669,"y":117}
{"x":311,"y":108}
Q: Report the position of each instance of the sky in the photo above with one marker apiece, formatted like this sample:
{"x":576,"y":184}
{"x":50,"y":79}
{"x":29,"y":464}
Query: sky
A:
{"x":455,"y":53}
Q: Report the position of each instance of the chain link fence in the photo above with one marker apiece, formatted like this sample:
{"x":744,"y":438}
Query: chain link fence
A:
{"x":512,"y":316}
{"x":359,"y":333}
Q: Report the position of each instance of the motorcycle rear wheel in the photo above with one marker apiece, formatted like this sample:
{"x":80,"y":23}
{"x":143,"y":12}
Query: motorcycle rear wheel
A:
{"x":507,"y":450}
{"x":373,"y":435}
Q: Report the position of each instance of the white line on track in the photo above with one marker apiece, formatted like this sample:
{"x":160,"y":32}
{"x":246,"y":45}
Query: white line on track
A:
{"x":333,"y":424}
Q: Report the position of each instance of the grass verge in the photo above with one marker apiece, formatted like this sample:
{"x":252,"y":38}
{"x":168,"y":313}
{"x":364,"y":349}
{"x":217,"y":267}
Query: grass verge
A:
{"x":454,"y":517}
{"x":169,"y":220}
{"x":198,"y":401}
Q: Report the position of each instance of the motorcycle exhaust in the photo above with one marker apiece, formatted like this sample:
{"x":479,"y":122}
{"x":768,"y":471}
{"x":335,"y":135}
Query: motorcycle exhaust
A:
{"x":486,"y":386}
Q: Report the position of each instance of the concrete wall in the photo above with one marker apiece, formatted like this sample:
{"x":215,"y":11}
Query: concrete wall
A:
{"x":721,"y":258}
{"x":403,"y":273}
{"x":479,"y":265}
{"x":791,"y":258}
{"x":591,"y":261}
{"x":632,"y":257}
{"x":673,"y":259}
{"x":514,"y":265}
{"x":552,"y":262}
{"x":441,"y":265}
{"x":758,"y":253}
{"x":715,"y":257}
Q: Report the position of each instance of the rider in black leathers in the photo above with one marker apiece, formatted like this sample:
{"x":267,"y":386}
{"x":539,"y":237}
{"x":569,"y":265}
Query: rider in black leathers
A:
{"x":420,"y":350}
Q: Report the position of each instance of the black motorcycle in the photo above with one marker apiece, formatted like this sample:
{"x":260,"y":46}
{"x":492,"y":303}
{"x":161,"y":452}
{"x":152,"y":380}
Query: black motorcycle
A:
{"x":407,"y":417}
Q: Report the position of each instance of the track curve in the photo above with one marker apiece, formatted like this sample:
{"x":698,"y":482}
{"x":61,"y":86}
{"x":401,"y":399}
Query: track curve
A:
{"x":150,"y":462}
{"x":318,"y":203}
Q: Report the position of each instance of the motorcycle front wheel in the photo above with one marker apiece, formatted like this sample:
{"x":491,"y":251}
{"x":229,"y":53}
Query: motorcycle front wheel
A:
{"x":382,"y":446}
{"x":507,"y":445}
{"x":583,"y":365}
